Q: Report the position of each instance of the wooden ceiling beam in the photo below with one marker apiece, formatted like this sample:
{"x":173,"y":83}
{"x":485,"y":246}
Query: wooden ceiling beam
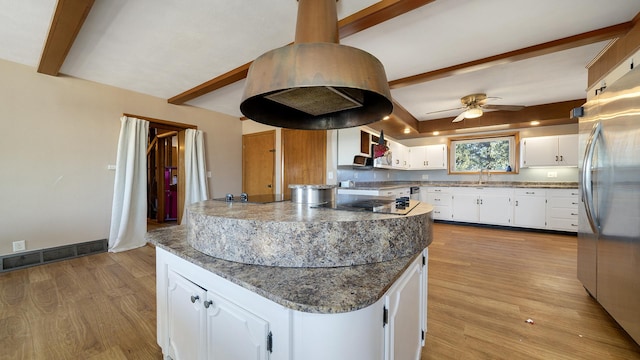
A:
{"x":566,"y":43}
{"x":546,"y":115}
{"x":363,"y":19}
{"x":65,"y":26}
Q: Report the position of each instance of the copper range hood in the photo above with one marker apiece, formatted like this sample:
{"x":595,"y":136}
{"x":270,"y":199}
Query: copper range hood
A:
{"x":316,"y":83}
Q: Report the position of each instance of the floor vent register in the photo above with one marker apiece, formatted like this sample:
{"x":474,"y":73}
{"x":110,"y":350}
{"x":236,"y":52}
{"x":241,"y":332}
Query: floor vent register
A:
{"x":44,"y":256}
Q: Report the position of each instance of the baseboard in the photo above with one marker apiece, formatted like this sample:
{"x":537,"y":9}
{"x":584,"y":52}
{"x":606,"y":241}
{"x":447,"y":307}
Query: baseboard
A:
{"x":44,"y":256}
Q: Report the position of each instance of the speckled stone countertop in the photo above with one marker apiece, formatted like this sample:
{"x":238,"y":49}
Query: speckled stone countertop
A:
{"x":513,"y":184}
{"x":314,"y":290}
{"x":299,"y":235}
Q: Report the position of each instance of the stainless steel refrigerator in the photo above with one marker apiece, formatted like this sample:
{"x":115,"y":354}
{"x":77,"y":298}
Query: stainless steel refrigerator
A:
{"x":609,"y":222}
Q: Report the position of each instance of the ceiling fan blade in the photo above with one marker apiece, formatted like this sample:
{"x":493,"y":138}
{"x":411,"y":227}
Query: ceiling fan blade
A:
{"x":459,"y":117}
{"x":488,"y":98}
{"x":439,"y":111}
{"x":503,"y":107}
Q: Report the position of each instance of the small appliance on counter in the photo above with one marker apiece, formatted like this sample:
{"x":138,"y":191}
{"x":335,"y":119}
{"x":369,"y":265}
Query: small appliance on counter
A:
{"x":313,"y":194}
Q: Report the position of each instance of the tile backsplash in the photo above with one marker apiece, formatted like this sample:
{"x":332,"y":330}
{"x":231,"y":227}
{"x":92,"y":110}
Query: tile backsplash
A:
{"x":569,"y":174}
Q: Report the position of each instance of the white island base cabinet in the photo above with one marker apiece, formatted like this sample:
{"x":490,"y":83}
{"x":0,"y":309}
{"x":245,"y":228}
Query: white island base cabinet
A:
{"x":204,"y":316}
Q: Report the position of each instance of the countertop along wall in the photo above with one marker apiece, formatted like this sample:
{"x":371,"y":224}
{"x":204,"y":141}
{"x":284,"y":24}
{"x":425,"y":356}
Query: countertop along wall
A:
{"x":59,"y":135}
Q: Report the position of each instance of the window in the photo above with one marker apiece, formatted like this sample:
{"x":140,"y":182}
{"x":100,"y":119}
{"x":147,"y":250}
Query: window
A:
{"x":494,"y":153}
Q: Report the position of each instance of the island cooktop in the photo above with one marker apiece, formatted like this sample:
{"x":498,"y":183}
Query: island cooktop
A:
{"x":399,"y":206}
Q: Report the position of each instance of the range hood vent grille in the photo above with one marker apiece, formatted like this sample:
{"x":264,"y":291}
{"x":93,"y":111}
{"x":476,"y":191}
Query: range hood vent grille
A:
{"x":318,"y":100}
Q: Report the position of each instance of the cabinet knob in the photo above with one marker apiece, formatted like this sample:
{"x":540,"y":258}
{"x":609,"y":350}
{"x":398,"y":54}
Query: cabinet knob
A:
{"x":208,"y":303}
{"x":194,"y":298}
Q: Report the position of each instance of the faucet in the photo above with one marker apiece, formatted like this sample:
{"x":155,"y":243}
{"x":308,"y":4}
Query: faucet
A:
{"x":481,"y":176}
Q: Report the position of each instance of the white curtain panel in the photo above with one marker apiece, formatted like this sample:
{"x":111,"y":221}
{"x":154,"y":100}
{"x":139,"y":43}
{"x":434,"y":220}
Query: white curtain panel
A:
{"x":129,"y":209}
{"x":196,"y":188}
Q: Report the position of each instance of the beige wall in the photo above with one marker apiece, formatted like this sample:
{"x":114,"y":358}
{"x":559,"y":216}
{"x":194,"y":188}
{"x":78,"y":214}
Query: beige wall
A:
{"x":59,"y":135}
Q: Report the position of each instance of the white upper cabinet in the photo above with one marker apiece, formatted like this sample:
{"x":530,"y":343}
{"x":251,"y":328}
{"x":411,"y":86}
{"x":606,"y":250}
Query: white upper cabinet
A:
{"x":559,"y":150}
{"x":429,"y":157}
{"x":400,"y":154}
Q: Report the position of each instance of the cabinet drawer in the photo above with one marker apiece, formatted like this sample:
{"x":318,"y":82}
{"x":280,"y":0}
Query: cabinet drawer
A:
{"x":436,"y":199}
{"x":530,"y":192}
{"x":438,"y":189}
{"x":564,"y":224}
{"x":442,"y":213}
{"x":564,"y":213}
{"x":564,"y":202}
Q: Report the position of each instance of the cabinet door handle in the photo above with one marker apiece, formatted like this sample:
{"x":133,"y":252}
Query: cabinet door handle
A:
{"x":208,"y":303}
{"x":194,"y":298}
{"x":556,"y":157}
{"x":561,"y":158}
{"x":516,"y":202}
{"x":574,"y":214}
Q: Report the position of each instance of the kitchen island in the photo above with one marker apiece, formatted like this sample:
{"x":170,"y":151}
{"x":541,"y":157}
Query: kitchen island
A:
{"x":210,"y":305}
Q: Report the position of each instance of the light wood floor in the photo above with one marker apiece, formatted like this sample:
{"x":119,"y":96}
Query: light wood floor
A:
{"x":483,"y":285}
{"x":100,"y":306}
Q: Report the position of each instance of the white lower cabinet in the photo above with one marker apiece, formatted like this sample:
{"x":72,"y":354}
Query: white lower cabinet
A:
{"x":482,"y":205}
{"x":562,"y":209}
{"x":403,"y":330}
{"x":186,"y":319}
{"x":530,"y":208}
{"x":204,"y":316}
{"x":440,"y":199}
{"x":204,"y":325}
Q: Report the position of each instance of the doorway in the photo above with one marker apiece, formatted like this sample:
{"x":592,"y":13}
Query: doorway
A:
{"x":162,"y":175}
{"x":165,"y":171}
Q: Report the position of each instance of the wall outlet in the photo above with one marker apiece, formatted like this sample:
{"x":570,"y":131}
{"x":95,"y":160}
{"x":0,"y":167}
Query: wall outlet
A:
{"x":355,"y":175}
{"x":425,"y":177}
{"x":330,"y":175}
{"x":552,"y":174}
{"x":111,"y":167}
{"x":19,"y":246}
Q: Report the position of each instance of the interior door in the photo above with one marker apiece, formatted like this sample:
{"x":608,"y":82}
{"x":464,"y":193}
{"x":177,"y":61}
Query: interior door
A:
{"x":258,"y":162}
{"x":304,"y":157}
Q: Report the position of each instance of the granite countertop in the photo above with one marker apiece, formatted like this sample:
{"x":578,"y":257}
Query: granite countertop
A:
{"x":289,"y":234}
{"x":512,"y":184}
{"x":236,"y":229}
{"x":314,"y":290}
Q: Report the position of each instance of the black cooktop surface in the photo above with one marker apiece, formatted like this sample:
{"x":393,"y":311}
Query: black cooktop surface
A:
{"x":377,"y":205}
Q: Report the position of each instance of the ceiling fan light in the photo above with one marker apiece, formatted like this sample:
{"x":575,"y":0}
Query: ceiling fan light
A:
{"x":473,"y":113}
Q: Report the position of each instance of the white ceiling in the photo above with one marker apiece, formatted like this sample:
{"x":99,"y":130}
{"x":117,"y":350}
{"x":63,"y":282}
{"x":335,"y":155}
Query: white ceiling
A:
{"x":164,"y":47}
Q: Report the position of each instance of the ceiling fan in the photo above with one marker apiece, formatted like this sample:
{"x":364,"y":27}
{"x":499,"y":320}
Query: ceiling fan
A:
{"x":474,"y":104}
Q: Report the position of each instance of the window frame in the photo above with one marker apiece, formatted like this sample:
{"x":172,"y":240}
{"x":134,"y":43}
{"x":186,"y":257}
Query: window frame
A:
{"x":515,"y":166}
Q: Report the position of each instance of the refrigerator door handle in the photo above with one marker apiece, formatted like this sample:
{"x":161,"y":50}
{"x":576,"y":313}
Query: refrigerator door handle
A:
{"x":587,"y":184}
